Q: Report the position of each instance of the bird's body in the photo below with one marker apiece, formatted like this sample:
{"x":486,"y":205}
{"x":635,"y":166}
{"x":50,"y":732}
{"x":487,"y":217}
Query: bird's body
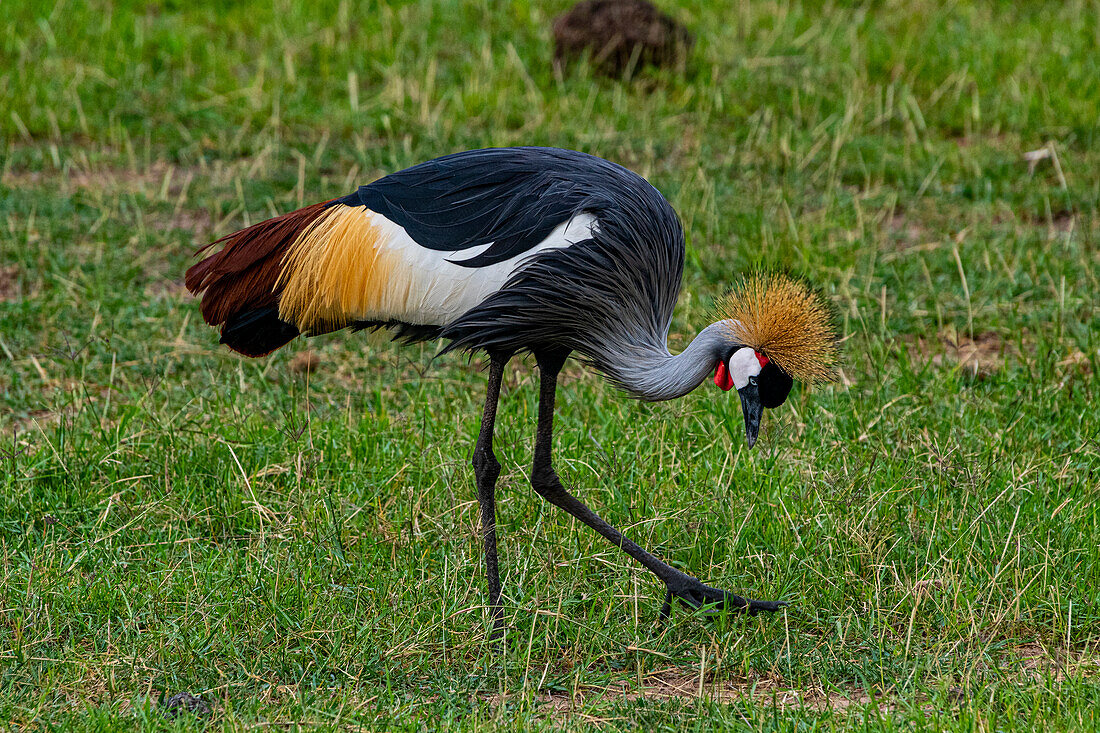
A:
{"x":505,"y":250}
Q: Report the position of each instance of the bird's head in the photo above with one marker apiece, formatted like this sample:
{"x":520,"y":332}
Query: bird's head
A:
{"x":778,"y":330}
{"x":759,"y":383}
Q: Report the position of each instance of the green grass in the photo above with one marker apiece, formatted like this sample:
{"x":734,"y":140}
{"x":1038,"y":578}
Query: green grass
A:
{"x":301,"y":549}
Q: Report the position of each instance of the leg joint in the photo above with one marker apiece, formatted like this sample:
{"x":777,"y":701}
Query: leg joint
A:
{"x":545,"y":481}
{"x":485,"y":463}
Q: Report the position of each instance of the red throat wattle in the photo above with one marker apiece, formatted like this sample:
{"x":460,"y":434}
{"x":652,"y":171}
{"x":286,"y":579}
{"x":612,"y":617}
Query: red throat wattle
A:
{"x":722,"y":377}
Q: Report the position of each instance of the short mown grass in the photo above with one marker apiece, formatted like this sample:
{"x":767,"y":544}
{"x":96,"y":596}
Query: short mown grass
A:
{"x":298,"y":547}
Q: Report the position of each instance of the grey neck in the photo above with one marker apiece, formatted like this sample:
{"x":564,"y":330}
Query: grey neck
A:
{"x":655,"y":375}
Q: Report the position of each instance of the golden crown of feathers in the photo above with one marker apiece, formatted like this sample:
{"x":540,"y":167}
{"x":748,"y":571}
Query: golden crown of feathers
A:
{"x":786,"y":320}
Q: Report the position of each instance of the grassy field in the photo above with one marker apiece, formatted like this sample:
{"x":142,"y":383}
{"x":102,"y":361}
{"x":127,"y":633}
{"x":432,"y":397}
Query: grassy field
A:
{"x":294,"y":539}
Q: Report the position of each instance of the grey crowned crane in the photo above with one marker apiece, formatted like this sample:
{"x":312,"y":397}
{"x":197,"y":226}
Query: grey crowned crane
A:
{"x":509,"y":251}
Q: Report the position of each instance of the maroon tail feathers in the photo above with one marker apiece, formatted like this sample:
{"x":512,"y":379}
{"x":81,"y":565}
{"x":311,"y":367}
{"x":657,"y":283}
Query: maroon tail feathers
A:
{"x":238,"y":283}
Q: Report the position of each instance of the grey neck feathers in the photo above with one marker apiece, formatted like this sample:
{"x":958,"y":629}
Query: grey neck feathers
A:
{"x":651,"y":373}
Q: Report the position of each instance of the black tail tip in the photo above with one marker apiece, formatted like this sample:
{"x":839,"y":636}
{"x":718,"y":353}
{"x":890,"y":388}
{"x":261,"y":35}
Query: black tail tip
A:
{"x":257,"y":332}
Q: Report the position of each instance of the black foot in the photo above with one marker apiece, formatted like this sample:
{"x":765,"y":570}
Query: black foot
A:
{"x":712,"y":600}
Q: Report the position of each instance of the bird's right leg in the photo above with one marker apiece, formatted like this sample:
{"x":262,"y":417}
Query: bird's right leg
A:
{"x":486,"y":471}
{"x":690,"y":590}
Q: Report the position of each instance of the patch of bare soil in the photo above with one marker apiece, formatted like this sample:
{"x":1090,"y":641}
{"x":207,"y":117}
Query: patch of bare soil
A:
{"x":305,"y":362}
{"x":10,"y":291}
{"x":197,"y":221}
{"x":1030,"y":662}
{"x":26,"y":423}
{"x":158,"y":181}
{"x":671,"y":684}
{"x":110,"y":178}
{"x":907,"y":231}
{"x":167,"y":289}
{"x":982,"y":356}
{"x":1077,"y":362}
{"x":620,"y":35}
{"x":1058,"y":222}
{"x":1035,"y":660}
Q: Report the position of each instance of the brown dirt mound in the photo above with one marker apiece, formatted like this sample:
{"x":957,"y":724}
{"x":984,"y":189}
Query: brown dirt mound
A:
{"x":616,"y":32}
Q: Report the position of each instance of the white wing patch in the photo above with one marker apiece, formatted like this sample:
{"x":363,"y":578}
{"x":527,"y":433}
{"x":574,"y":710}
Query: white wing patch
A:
{"x":425,"y":287}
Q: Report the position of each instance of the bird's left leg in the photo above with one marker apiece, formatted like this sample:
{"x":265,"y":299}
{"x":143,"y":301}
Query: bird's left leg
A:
{"x":690,"y":590}
{"x":486,"y":471}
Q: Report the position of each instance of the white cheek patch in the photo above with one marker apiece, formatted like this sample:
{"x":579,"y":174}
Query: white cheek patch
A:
{"x":743,"y":364}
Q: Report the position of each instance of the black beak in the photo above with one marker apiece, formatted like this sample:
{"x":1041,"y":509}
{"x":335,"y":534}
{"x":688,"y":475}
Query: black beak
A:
{"x":750,"y":403}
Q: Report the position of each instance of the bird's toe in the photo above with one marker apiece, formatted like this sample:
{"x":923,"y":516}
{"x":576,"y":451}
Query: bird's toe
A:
{"x":711,"y":601}
{"x":768,"y":606}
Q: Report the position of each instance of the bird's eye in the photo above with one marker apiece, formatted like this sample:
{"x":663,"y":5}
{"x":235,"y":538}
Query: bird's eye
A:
{"x":752,"y":381}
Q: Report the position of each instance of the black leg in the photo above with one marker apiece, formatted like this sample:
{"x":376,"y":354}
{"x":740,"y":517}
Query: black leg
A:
{"x":691,"y":591}
{"x":486,"y":470}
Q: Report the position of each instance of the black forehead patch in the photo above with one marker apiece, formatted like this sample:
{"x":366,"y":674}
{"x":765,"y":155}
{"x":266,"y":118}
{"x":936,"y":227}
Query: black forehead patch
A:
{"x":774,"y":384}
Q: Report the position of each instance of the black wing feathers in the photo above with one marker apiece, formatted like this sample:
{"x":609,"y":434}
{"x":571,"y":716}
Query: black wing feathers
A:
{"x":511,"y":197}
{"x":605,"y":297}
